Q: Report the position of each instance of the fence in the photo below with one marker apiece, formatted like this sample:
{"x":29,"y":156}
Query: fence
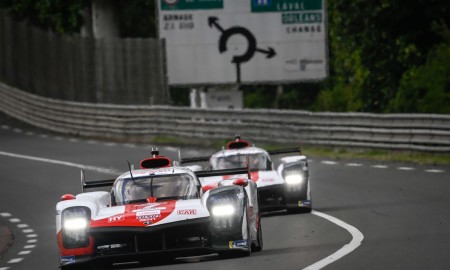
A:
{"x":420,"y":132}
{"x":118,"y":71}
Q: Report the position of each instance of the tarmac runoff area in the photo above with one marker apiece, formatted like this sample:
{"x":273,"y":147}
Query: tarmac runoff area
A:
{"x":6,"y":239}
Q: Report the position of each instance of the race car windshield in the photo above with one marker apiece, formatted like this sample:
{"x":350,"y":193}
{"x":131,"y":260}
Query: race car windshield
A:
{"x":161,"y":187}
{"x":257,"y":162}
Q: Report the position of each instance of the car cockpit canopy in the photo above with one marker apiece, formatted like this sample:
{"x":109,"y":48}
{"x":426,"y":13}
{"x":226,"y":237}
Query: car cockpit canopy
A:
{"x":160,"y":187}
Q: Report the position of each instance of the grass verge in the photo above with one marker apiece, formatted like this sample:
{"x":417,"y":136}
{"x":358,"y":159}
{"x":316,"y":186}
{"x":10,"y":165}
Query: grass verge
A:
{"x":336,"y":153}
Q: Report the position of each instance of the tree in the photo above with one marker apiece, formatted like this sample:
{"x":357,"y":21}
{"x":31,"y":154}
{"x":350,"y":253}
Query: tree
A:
{"x":372,"y":44}
{"x":58,"y":15}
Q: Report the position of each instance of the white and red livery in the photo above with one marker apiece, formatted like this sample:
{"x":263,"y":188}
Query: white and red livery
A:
{"x":157,"y":213}
{"x":286,"y":187}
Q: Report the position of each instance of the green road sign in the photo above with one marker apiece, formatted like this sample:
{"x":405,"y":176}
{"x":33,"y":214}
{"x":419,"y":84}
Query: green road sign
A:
{"x":191,"y":4}
{"x":285,"y":5}
{"x":298,"y":18}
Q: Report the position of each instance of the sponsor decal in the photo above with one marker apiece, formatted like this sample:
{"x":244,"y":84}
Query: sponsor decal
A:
{"x":67,"y":259}
{"x":138,"y":215}
{"x":115,"y":219}
{"x":151,"y":207}
{"x":151,"y":217}
{"x":58,"y":212}
{"x":237,"y":244}
{"x":187,"y":212}
{"x":268,"y":180}
{"x":304,"y":203}
{"x":148,"y":213}
{"x":152,"y":213}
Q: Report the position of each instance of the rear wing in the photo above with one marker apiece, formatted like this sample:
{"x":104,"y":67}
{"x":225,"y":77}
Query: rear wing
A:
{"x":95,"y":184}
{"x":272,"y":152}
{"x":194,"y":159}
{"x":208,"y":173}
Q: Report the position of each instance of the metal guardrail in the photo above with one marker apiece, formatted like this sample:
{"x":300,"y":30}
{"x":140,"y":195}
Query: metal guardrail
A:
{"x":419,"y":132}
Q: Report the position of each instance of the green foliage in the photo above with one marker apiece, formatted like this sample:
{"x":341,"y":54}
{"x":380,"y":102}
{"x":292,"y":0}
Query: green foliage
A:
{"x":179,"y":96}
{"x":300,"y":96}
{"x":426,"y":89}
{"x":372,"y":44}
{"x":347,"y":85}
{"x":60,"y":16}
{"x":262,"y":96}
{"x":137,"y":18}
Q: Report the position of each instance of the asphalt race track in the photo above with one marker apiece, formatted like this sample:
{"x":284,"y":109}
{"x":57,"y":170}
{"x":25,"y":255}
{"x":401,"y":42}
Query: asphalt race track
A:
{"x":402,"y":210}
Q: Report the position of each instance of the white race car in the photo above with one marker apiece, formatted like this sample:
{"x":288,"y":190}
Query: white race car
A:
{"x":158,"y":213}
{"x":287,"y":187}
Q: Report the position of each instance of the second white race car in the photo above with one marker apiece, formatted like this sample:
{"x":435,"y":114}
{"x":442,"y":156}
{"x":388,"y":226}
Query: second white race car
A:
{"x":286,"y":187}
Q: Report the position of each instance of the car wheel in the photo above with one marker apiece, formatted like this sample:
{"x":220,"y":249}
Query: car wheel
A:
{"x":247,"y":252}
{"x":260,"y":244}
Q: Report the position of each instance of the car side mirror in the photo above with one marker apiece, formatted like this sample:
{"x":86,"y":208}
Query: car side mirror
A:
{"x":240,"y":182}
{"x":67,"y":197}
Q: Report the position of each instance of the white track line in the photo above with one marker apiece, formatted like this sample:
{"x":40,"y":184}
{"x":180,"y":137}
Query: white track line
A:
{"x":406,"y":168}
{"x":346,"y":249}
{"x":29,"y":232}
{"x":380,"y":166}
{"x":27,"y":248}
{"x":353,"y":164}
{"x":59,"y":162}
{"x":15,"y":260}
{"x":329,"y":162}
{"x":434,"y":171}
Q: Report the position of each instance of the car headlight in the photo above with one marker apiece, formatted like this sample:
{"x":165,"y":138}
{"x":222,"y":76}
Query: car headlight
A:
{"x":294,"y":179}
{"x":223,"y":210}
{"x":75,"y":222}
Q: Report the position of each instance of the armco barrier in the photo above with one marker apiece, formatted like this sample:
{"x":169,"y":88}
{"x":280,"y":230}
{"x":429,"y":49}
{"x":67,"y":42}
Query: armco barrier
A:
{"x":421,"y":132}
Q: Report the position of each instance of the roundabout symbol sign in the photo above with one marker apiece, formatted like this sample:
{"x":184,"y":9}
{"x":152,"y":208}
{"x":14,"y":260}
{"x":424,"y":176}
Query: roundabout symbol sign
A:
{"x":252,"y":48}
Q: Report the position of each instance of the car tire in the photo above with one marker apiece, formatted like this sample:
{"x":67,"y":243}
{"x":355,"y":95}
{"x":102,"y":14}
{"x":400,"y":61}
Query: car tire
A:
{"x":259,"y":237}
